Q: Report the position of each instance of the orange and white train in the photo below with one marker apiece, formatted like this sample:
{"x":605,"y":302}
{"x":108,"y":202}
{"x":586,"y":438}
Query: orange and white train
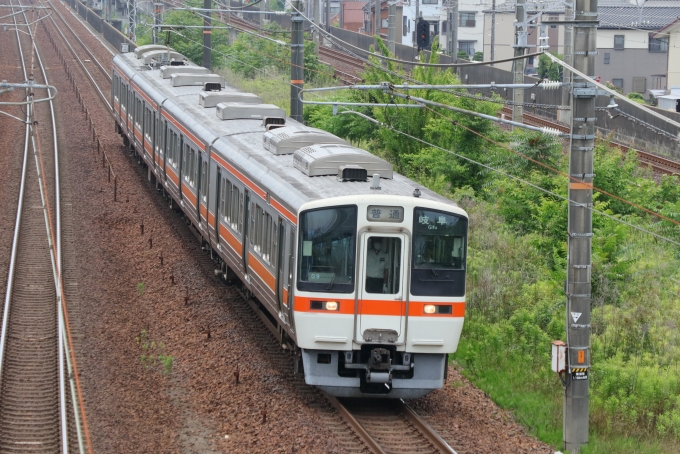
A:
{"x":359,"y":271}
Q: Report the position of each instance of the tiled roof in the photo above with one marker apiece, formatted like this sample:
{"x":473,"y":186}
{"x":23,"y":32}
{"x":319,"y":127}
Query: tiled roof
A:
{"x":654,"y":15}
{"x":651,"y":17}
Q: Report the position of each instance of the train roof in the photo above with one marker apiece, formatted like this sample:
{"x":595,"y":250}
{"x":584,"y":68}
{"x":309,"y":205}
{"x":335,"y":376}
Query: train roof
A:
{"x":240,"y":142}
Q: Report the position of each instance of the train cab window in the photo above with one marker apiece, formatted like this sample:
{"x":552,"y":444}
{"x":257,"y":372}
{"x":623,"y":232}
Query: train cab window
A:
{"x":438,"y":258}
{"x":327,"y":250}
{"x":382,"y":265}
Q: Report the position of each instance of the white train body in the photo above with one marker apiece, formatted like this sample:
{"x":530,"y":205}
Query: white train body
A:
{"x":366,"y":283}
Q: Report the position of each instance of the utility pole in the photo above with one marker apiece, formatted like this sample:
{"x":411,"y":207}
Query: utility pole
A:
{"x":328,"y":16}
{"x":414,"y":35}
{"x":518,"y":65}
{"x":392,"y":26}
{"x":132,"y":20}
{"x":580,"y":229}
{"x":377,"y":17}
{"x":452,"y":44}
{"x":156,"y":22}
{"x":492,"y":56}
{"x":565,"y":115}
{"x":297,"y":70}
{"x":107,"y":10}
{"x":207,"y":35}
{"x":317,"y":21}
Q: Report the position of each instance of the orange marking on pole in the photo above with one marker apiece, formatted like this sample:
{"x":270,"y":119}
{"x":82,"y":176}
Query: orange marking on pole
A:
{"x":579,"y":185}
{"x":297,"y":81}
{"x":581,"y":357}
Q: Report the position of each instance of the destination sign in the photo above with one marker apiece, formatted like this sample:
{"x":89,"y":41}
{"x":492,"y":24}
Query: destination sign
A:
{"x":380,"y":213}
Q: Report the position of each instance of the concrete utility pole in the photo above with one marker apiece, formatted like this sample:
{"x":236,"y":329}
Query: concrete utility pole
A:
{"x":565,"y":115}
{"x":580,"y":229}
{"x":207,"y":36}
{"x":317,"y":21}
{"x":328,"y":16}
{"x":297,"y":70}
{"x":415,"y":24}
{"x":157,"y":11}
{"x":452,"y":44}
{"x":392,"y":26}
{"x":493,"y":31}
{"x":107,"y":10}
{"x":521,"y":28}
{"x":377,"y":17}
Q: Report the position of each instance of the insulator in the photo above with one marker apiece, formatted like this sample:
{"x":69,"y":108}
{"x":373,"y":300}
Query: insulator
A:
{"x":550,"y":84}
{"x":551,"y":132}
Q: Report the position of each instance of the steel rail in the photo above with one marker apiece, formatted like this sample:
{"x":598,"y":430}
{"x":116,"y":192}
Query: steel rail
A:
{"x":354,"y":424}
{"x":424,"y":428}
{"x":82,"y":64}
{"x":54,"y":253}
{"x":94,"y":59}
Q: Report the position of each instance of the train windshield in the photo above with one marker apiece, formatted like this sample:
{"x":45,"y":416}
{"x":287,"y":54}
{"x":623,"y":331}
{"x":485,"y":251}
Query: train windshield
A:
{"x":439,"y":248}
{"x":327,"y":250}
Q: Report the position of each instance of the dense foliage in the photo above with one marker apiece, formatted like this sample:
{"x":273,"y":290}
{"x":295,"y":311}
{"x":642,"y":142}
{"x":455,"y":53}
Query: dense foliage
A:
{"x":547,"y":69}
{"x":517,"y":257}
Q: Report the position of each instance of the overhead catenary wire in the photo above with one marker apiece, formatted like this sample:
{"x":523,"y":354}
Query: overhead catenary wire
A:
{"x":513,"y":177}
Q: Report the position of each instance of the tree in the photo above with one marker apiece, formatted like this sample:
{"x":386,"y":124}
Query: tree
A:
{"x":479,"y":56}
{"x":546,"y":67}
{"x":462,"y":55}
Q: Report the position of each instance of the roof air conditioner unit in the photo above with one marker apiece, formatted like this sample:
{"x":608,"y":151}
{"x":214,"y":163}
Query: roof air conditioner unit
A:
{"x":291,"y":138}
{"x":168,"y":71}
{"x":212,"y":99}
{"x":352,"y":173}
{"x":185,"y":80}
{"x":326,"y":159}
{"x":243,"y":111}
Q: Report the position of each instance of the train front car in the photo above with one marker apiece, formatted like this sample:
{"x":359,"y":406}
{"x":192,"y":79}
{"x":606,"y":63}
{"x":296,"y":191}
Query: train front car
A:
{"x":380,"y":293}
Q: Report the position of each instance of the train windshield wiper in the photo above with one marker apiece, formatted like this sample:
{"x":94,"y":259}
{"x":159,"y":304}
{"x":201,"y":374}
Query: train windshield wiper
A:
{"x":330,"y":284}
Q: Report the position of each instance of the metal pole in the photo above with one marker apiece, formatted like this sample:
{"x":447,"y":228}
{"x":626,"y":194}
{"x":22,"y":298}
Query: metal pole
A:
{"x":297,"y":70}
{"x":132,"y":20}
{"x":207,"y":36}
{"x":260,"y":16}
{"x":453,"y":41}
{"x":317,"y":21}
{"x":580,"y":229}
{"x":392,"y":26}
{"x":328,"y":16}
{"x":518,"y":65}
{"x":565,"y":115}
{"x":415,"y":24}
{"x":377,"y":18}
{"x":156,"y":22}
{"x":493,"y":31}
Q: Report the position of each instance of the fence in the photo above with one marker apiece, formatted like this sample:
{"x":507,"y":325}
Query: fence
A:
{"x":108,"y":31}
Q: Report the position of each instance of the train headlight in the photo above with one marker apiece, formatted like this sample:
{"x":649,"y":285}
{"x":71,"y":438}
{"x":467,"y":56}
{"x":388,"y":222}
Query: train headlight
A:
{"x":325,"y":305}
{"x":437,"y":309}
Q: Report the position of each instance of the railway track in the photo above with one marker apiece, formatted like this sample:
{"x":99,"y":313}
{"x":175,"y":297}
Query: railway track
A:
{"x":390,"y":426}
{"x":33,"y":401}
{"x":343,"y":76}
{"x":656,"y":162}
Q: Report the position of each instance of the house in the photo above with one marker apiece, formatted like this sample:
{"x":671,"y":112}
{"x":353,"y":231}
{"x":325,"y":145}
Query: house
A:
{"x":670,"y":37}
{"x":630,"y":55}
{"x":352,"y":15}
{"x":400,"y":22}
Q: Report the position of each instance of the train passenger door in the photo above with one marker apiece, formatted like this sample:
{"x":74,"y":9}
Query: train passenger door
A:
{"x":281,"y":262}
{"x":382,"y":290}
{"x":244,"y":218}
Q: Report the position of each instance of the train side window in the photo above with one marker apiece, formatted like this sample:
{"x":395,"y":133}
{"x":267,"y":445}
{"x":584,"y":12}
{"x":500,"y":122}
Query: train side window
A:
{"x":266,"y":230}
{"x":240,"y":212}
{"x":204,"y":182}
{"x":251,"y":228}
{"x":275,"y":244}
{"x":236,"y":199}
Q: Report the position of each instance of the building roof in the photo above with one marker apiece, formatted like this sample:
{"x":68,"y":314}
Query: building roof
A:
{"x":630,"y":16}
{"x":653,"y":15}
